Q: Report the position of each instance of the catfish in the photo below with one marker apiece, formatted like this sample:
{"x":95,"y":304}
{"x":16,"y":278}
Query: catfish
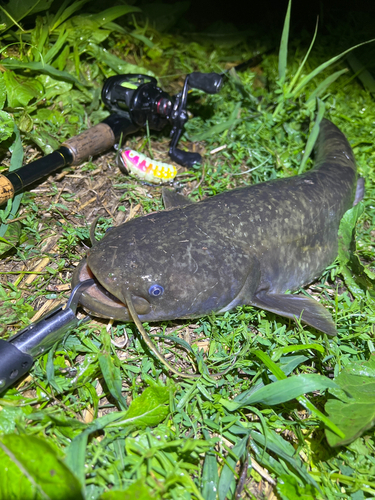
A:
{"x":249,"y":246}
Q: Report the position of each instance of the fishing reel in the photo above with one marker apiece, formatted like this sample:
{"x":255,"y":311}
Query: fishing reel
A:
{"x":138,"y":98}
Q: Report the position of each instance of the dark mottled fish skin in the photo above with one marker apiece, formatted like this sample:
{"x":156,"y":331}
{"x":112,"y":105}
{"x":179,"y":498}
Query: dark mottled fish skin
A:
{"x":245,"y":246}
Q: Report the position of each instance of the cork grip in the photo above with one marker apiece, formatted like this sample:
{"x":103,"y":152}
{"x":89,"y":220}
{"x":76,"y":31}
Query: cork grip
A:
{"x":90,"y":143}
{"x":6,"y":189}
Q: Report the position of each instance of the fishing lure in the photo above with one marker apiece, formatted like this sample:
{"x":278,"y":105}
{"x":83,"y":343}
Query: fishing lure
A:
{"x":146,"y":169}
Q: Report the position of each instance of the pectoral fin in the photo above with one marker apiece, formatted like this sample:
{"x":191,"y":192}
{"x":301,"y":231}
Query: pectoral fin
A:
{"x":171,"y":199}
{"x":308,"y":310}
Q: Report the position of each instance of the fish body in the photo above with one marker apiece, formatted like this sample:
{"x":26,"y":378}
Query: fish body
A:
{"x":245,"y":246}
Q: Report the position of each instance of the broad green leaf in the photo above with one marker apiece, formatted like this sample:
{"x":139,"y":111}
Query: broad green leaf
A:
{"x":13,"y":233}
{"x":14,"y":483}
{"x":271,"y":365}
{"x":289,"y":489}
{"x":53,"y":87}
{"x":354,"y":412}
{"x":44,"y":140}
{"x":10,"y":415}
{"x":53,"y":116}
{"x":313,"y":136}
{"x":16,"y":10}
{"x":284,"y":390}
{"x":35,"y":466}
{"x":283,"y":51}
{"x":148,"y":409}
{"x":346,"y":230}
{"x":3,"y":94}
{"x":358,"y":278}
{"x":82,"y":30}
{"x":289,"y":363}
{"x":40,"y":67}
{"x":25,"y":123}
{"x":21,"y":90}
{"x":137,"y":491}
{"x":139,"y":36}
{"x":114,"y":62}
{"x":17,"y":152}
{"x":6,"y":125}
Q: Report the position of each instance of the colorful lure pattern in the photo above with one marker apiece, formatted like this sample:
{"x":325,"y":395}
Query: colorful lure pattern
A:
{"x":146,"y":169}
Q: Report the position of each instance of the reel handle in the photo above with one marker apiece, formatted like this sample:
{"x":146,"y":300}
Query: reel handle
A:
{"x":210,"y":83}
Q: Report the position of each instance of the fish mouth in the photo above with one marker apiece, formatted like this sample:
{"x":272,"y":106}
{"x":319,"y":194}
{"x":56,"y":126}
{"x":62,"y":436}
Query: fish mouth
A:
{"x":98,"y":301}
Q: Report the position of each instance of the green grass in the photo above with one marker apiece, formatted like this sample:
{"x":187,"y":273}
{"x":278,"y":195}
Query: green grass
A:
{"x":107,"y":419}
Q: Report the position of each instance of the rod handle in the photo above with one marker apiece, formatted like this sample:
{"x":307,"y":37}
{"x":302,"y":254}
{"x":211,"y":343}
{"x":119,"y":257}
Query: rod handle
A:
{"x":14,"y":364}
{"x":92,"y":142}
{"x":6,"y":189}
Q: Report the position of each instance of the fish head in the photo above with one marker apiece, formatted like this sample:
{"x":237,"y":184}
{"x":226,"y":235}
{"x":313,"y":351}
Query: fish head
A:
{"x":168,"y":269}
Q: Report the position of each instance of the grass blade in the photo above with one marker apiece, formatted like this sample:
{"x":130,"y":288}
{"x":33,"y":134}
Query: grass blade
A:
{"x":65,"y":12}
{"x":280,"y":375}
{"x":12,"y":20}
{"x":325,"y":65}
{"x":313,"y":136}
{"x":296,"y":76}
{"x":47,"y":69}
{"x":56,"y":47}
{"x":227,"y":473}
{"x":283,"y":52}
{"x":322,"y":87}
{"x":289,"y":388}
{"x":309,"y":406}
{"x":270,"y":442}
{"x":362,"y":73}
{"x":210,"y":477}
{"x":76,"y":451}
{"x":273,"y":367}
{"x":113,"y":13}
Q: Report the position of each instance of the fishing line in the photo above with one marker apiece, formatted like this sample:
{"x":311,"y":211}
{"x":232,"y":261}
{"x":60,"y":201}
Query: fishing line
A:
{"x":133,"y":313}
{"x":148,"y":341}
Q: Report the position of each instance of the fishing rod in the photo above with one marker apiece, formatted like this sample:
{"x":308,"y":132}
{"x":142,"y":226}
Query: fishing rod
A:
{"x":135,"y":101}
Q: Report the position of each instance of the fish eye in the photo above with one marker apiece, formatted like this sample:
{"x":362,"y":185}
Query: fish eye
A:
{"x":156,"y":290}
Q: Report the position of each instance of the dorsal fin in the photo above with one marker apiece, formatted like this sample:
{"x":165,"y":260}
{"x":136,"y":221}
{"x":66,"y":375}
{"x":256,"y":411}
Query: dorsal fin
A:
{"x":171,"y":199}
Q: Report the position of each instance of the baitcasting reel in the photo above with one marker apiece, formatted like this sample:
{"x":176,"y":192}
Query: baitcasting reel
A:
{"x":139,"y":98}
{"x":135,"y":101}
